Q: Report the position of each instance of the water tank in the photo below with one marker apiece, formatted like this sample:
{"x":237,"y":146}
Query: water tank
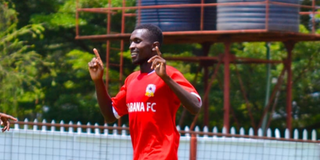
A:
{"x":210,"y":16}
{"x":281,"y":18}
{"x":177,"y":19}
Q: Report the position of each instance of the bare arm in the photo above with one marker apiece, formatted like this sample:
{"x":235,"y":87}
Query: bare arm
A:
{"x":104,"y":100}
{"x":189,"y":101}
{"x":4,"y":118}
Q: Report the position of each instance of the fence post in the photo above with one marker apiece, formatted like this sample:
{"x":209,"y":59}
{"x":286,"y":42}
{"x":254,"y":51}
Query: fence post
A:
{"x":193,"y":147}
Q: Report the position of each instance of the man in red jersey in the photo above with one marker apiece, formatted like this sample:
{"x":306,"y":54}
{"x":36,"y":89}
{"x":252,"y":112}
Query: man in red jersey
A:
{"x":4,"y":120}
{"x":151,"y":97}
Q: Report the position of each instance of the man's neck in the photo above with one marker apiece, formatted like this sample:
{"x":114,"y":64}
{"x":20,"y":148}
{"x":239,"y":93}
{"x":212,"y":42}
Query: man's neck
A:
{"x":145,"y":68}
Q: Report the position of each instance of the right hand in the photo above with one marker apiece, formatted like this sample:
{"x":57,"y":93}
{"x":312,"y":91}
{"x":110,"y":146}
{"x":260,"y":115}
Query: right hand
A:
{"x":96,"y":67}
{"x":158,"y":64}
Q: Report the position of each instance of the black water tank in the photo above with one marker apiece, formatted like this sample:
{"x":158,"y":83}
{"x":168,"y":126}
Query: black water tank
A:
{"x":177,"y":19}
{"x":281,"y":18}
{"x":210,"y":16}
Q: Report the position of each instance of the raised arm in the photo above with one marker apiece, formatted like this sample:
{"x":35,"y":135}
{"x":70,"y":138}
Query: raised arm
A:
{"x":104,"y":100}
{"x":189,"y":101}
{"x":4,"y":118}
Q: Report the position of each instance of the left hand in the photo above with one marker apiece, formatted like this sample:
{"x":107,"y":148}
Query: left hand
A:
{"x":4,"y":118}
{"x":158,"y":64}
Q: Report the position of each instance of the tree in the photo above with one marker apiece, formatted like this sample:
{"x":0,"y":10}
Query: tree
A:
{"x":68,"y":88}
{"x":20,"y":64}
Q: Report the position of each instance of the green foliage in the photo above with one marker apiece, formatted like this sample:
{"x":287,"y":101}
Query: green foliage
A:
{"x":19,"y":67}
{"x":79,"y":61}
{"x":67,"y":86}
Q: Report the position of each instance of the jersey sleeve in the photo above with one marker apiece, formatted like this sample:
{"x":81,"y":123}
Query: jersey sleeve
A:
{"x":119,"y":103}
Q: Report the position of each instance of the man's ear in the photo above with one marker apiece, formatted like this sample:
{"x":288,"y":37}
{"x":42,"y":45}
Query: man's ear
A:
{"x":154,"y":45}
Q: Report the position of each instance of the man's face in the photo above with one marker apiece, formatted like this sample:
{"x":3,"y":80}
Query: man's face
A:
{"x":140,"y":46}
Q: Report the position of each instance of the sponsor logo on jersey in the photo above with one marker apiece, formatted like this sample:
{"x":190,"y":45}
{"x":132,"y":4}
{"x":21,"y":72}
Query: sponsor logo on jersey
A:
{"x":151,"y":88}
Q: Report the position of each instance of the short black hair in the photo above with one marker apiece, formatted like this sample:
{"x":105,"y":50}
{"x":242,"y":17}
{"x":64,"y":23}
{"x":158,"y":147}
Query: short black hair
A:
{"x":155,"y":31}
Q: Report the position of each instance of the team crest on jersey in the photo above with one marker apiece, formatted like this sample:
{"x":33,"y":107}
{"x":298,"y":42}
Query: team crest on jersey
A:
{"x":151,"y":88}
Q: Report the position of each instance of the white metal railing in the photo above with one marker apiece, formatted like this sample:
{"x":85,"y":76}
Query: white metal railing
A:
{"x":75,"y":142}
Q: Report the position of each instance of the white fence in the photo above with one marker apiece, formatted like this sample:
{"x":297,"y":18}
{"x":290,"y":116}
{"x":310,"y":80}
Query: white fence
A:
{"x":31,"y":142}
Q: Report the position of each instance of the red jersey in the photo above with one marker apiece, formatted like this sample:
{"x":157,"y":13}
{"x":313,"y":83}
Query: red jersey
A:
{"x":152,"y":108}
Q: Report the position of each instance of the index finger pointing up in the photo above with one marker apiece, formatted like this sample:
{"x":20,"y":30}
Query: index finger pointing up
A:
{"x":98,"y":57}
{"x":158,"y":51}
{"x":96,"y":53}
